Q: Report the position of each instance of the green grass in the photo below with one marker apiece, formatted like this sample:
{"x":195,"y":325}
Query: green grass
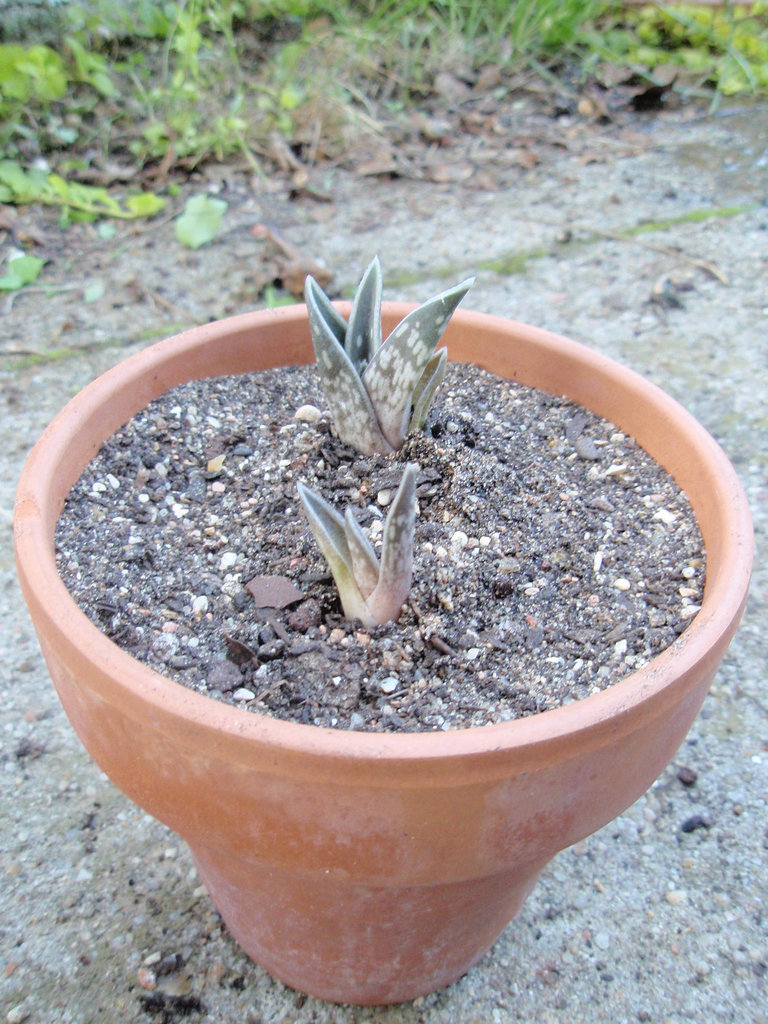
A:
{"x":177,"y":82}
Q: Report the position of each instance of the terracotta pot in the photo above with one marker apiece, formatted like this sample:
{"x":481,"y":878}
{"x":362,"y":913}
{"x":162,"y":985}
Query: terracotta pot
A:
{"x":359,"y":867}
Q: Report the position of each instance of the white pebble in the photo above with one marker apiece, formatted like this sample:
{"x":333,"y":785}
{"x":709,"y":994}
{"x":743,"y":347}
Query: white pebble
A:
{"x":389,"y":685}
{"x":473,"y":653}
{"x":228,"y":559}
{"x":113,"y":482}
{"x":622,"y":584}
{"x":688,"y":572}
{"x":689,"y":610}
{"x":384,"y":497}
{"x":243,"y":694}
{"x":459,"y":539}
{"x":307,"y":414}
{"x":200,"y":605}
{"x":602,"y":940}
{"x":665,"y":516}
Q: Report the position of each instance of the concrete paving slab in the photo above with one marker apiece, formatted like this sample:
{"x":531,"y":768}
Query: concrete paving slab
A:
{"x":648,"y":242}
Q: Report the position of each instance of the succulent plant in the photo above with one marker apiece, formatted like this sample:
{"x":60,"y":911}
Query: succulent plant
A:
{"x":379,"y":391}
{"x":370,"y":590}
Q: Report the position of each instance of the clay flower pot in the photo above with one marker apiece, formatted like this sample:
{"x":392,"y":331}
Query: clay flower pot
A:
{"x":362,"y":867}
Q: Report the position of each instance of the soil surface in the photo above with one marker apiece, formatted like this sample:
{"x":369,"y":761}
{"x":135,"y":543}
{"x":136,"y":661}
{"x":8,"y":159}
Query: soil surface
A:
{"x":552,"y":555}
{"x":644,"y":236}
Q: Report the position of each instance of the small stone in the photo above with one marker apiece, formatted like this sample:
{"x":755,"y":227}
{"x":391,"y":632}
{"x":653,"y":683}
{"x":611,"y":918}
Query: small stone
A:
{"x":503,"y":586}
{"x":146,"y":978}
{"x":675,"y":897}
{"x":243,"y":693}
{"x":622,"y":584}
{"x":196,"y":488}
{"x":17,"y":1015}
{"x":665,"y":516}
{"x":602,"y":940}
{"x":587,"y":449}
{"x":687,"y":776}
{"x":696,"y":821}
{"x":223,"y":675}
{"x":307,"y":414}
{"x":459,"y":539}
{"x":228,"y":560}
{"x":200,"y":605}
{"x":216,"y":464}
{"x":308,"y":614}
{"x":384,"y":497}
{"x":508,"y":565}
{"x":389,"y":685}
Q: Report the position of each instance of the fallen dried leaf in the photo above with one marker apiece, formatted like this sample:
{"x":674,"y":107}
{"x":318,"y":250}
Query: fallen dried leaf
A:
{"x":452,"y":173}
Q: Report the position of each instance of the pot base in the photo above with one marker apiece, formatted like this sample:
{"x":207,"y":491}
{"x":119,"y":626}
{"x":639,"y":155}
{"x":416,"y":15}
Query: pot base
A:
{"x":315,"y":936}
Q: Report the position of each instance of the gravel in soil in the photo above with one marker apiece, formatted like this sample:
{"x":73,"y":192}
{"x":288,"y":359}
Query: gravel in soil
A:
{"x":552,"y":555}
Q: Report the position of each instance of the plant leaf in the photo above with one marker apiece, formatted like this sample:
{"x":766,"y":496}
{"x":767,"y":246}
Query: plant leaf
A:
{"x":328,"y":528}
{"x":21,"y":270}
{"x":365,"y":564}
{"x":396,"y":571}
{"x":322,"y":307}
{"x":391,"y":377}
{"x":363,"y":338}
{"x":351,"y":408}
{"x":200,"y":221}
{"x":145,"y":204}
{"x":429,"y":382}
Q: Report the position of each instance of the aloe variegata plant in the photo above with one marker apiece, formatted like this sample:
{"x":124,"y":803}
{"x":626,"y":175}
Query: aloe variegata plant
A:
{"x":379,"y":391}
{"x":371,"y":590}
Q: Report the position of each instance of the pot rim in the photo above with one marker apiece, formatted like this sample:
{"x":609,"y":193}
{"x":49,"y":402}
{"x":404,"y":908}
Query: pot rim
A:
{"x":648,"y":691}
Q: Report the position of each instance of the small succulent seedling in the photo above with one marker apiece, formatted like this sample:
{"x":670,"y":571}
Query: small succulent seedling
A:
{"x":379,"y":392}
{"x":370,"y":590}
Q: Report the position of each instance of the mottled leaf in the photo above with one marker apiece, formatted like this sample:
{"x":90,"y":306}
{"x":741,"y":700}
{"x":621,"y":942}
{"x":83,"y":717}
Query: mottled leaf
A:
{"x":430,"y":381}
{"x":351,"y":408}
{"x":364,"y":332}
{"x":328,"y":528}
{"x":391,"y":377}
{"x":321,"y":306}
{"x":396,"y":570}
{"x":365,"y":564}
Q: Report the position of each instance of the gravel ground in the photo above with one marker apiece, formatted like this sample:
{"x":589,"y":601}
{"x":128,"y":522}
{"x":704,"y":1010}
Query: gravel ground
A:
{"x":659,"y":917}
